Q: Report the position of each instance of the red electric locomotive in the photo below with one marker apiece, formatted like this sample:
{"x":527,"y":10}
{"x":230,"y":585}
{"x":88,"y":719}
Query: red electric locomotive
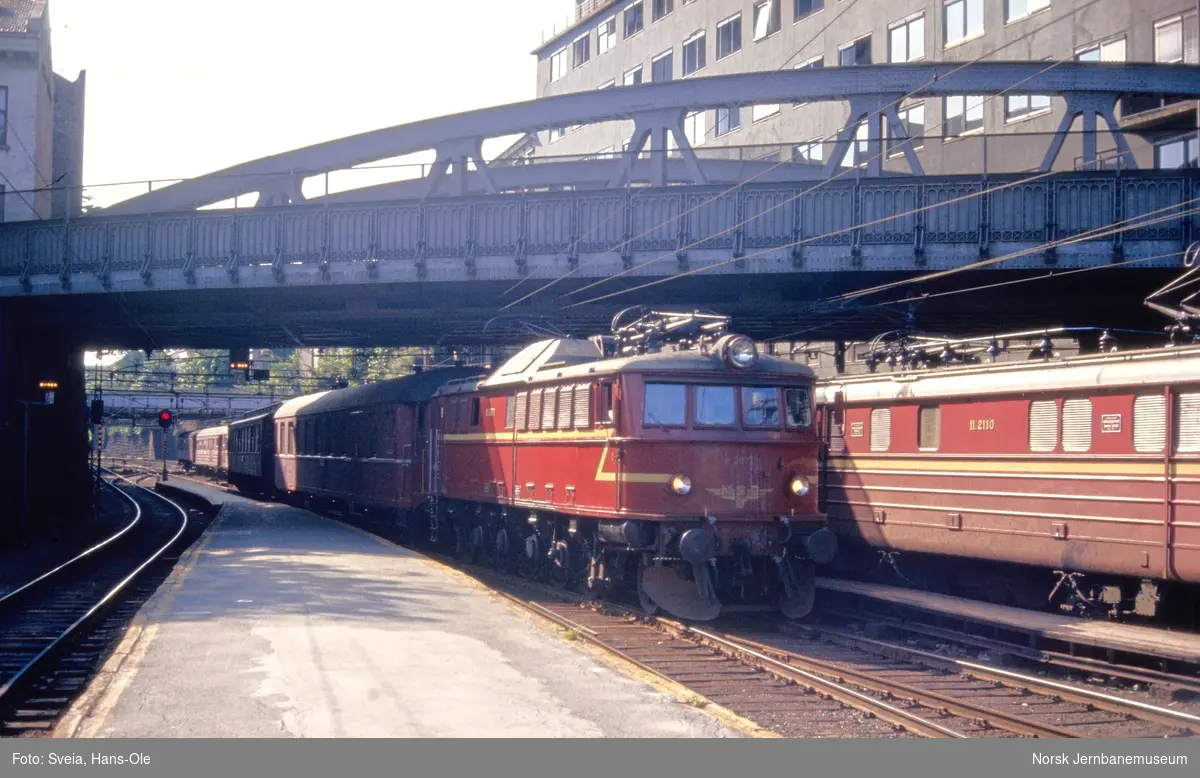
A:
{"x":671,"y":457}
{"x":1077,"y":478}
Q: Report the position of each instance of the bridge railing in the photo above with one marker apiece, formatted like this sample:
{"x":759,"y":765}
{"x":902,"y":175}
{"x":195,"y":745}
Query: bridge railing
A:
{"x":846,"y":212}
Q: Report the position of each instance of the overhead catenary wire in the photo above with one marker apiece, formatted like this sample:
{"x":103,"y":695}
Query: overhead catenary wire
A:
{"x":871,"y":116}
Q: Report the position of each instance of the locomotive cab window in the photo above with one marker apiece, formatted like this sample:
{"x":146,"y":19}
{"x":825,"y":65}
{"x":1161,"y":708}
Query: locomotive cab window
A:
{"x":929,"y":428}
{"x":666,"y":405}
{"x":760,"y":406}
{"x":799,"y":407}
{"x":605,"y":408}
{"x":715,"y":405}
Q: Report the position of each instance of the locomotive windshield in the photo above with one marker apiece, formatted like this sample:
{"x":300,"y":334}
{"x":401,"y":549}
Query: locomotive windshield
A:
{"x":799,"y":407}
{"x":666,"y":405}
{"x":760,"y":406}
{"x":716,"y":405}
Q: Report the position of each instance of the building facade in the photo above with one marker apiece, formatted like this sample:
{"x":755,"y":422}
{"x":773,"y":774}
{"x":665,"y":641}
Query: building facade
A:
{"x":41,"y":120}
{"x":625,"y":42}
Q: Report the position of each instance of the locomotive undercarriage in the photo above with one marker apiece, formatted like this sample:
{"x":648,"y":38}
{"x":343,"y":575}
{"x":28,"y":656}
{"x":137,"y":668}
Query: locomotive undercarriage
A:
{"x":1088,"y":595}
{"x":690,"y":570}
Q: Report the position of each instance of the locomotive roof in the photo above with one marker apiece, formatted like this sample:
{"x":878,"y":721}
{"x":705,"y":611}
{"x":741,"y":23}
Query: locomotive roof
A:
{"x":1132,"y":368}
{"x":418,"y":387}
{"x":565,"y":358}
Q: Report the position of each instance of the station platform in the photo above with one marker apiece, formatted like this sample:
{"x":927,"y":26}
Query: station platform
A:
{"x":1132,"y":638}
{"x":282,"y":623}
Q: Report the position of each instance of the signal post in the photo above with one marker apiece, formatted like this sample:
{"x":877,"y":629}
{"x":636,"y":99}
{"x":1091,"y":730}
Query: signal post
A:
{"x":165,"y":420}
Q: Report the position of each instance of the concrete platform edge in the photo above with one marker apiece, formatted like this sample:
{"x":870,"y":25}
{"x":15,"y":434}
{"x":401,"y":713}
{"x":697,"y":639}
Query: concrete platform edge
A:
{"x":89,"y":713}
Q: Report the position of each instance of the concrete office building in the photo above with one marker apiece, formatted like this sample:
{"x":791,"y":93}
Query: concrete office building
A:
{"x":620,"y":42}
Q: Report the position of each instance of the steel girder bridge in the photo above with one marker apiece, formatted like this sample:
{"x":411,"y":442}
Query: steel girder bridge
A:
{"x":435,"y":259}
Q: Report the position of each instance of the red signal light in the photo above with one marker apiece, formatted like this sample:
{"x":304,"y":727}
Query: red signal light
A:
{"x":164,"y":419}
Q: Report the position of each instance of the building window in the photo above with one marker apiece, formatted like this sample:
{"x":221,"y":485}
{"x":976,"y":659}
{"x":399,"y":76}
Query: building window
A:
{"x":929,"y":428}
{"x":606,"y":35}
{"x":558,"y":65}
{"x":856,"y":152}
{"x":557,"y":133}
{"x":695,"y":52}
{"x":1111,"y":50}
{"x":906,"y":41}
{"x":912,"y":118}
{"x":633,"y":77}
{"x":964,"y":114}
{"x":635,"y":19}
{"x":806,"y":8}
{"x":581,"y":50}
{"x":763,"y":111}
{"x":812,"y":64}
{"x":856,"y":53}
{"x":729,"y":36}
{"x":1149,"y":423}
{"x":881,"y":429}
{"x":662,"y":67}
{"x":695,"y":127}
{"x":1043,"y":425}
{"x":963,"y":20}
{"x":1077,"y":425}
{"x":767,"y":18}
{"x":728,"y":120}
{"x":1019,"y":9}
{"x":813,"y":151}
{"x":662,"y":8}
{"x":1021,"y":106}
{"x":1175,"y":40}
{"x":1176,"y":154}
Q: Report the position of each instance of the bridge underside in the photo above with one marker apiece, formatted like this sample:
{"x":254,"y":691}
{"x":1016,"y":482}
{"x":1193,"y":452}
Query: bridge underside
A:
{"x":775,"y":306}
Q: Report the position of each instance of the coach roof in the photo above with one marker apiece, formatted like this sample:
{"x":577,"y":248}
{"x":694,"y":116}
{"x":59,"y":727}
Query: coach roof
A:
{"x":418,"y":387}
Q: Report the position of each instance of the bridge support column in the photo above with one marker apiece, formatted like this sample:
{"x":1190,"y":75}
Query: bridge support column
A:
{"x":868,"y":108}
{"x":457,"y":157}
{"x":1089,"y":105}
{"x":655,"y":128}
{"x":51,"y":473}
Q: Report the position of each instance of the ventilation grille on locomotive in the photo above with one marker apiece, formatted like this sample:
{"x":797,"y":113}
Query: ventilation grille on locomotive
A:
{"x":1043,"y":425}
{"x":1187,"y":423}
{"x":881,"y":429}
{"x":1077,"y":425}
{"x":1149,"y":423}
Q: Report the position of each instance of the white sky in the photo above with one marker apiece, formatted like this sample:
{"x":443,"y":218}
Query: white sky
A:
{"x":177,"y":88}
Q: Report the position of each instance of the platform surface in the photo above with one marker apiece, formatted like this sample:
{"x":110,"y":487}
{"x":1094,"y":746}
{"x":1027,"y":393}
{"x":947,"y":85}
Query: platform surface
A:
{"x":1183,"y":646}
{"x":293,"y":625}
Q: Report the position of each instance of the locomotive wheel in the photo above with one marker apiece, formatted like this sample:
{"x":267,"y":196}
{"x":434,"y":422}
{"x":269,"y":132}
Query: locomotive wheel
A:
{"x":800,"y":593}
{"x":528,"y":558}
{"x":502,"y":551}
{"x":462,"y":543}
{"x":648,"y":605}
{"x":560,"y":565}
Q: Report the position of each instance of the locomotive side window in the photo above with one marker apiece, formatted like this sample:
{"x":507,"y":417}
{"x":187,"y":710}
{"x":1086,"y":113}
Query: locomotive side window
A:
{"x":520,"y":418}
{"x":1043,"y":425}
{"x":799,"y":407}
{"x":475,"y":412}
{"x":760,"y":406}
{"x":1077,"y":425}
{"x":1187,"y":423}
{"x":583,"y":406}
{"x":510,"y":410}
{"x":535,"y":409}
{"x":715,"y":405}
{"x":604,"y":403}
{"x":548,"y":408}
{"x":666,"y":405}
{"x":1149,"y":423}
{"x":929,"y":428}
{"x":566,"y":408}
{"x":881,"y":429}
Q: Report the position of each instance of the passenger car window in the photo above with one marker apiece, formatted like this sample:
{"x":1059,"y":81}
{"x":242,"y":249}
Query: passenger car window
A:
{"x":665,"y":404}
{"x":760,"y":406}
{"x":799,"y":407}
{"x":715,"y":405}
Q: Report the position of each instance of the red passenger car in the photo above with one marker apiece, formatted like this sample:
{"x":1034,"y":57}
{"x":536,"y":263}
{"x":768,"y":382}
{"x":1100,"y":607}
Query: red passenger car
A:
{"x":1077,"y":478}
{"x":675,"y":459}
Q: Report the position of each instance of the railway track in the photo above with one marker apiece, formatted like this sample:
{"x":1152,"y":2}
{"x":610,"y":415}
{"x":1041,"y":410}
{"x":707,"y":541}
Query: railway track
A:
{"x":56,"y":629}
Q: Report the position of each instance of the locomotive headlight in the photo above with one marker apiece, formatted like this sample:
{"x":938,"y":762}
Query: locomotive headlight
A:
{"x":741,"y":352}
{"x":681,"y":484}
{"x":799,"y":486}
